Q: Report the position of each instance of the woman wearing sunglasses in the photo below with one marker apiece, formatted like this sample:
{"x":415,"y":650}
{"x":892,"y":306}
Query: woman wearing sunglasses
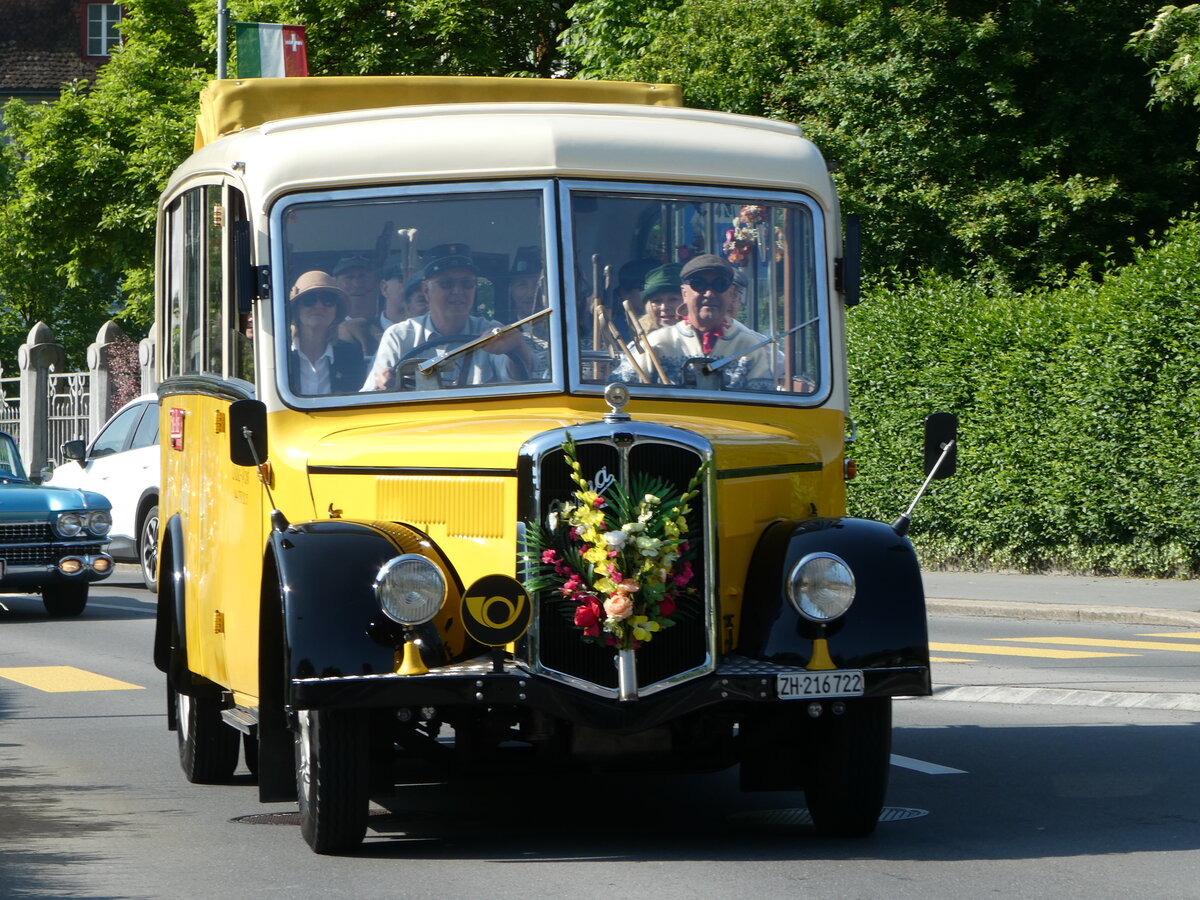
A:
{"x":319,"y":363}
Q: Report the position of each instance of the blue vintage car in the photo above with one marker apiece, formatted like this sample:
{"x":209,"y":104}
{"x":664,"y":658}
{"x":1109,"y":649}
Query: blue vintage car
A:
{"x":52,"y":539}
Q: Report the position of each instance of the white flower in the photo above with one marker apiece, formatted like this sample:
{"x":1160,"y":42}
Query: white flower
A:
{"x":651,"y":500}
{"x":648,"y":546}
{"x":616,"y":540}
{"x":633,"y":527}
{"x":552,"y":521}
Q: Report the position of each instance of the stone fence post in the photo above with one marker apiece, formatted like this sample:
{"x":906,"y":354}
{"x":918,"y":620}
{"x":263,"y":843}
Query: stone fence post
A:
{"x":40,"y":353}
{"x":101,"y":383}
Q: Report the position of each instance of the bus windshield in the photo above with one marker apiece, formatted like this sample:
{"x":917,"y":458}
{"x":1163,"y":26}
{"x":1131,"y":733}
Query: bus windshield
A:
{"x":432,"y":292}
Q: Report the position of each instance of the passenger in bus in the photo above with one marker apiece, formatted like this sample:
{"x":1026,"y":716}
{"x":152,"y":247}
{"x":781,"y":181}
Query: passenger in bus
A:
{"x":709,"y":290}
{"x":394,"y":288}
{"x":355,"y":275}
{"x":661,"y":294}
{"x":525,"y":297}
{"x":319,"y":363}
{"x":449,"y":281}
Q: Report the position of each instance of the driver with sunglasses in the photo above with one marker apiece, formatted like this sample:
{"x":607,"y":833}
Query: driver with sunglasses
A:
{"x":710,"y":293}
{"x":449,"y":282}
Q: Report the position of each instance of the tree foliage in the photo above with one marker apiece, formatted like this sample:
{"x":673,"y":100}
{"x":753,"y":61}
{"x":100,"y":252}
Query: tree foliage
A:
{"x":1008,"y":136}
{"x":80,"y":177}
{"x":1171,"y":42}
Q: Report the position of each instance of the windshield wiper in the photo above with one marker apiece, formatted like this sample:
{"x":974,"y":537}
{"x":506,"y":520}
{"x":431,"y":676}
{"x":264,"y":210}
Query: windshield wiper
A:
{"x":717,"y":364}
{"x":433,"y":364}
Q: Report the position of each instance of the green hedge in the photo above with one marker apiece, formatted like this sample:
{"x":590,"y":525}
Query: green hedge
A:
{"x":1079,"y":410}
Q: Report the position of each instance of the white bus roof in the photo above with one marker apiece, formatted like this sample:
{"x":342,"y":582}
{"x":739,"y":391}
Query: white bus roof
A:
{"x":479,"y":128}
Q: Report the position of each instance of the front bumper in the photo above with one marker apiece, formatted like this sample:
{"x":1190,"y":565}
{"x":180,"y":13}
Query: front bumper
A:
{"x":737,"y":680}
{"x":23,"y":578}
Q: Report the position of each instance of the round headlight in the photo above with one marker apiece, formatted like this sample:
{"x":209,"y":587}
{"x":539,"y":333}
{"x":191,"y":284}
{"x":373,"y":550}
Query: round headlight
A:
{"x":68,"y":524}
{"x":821,"y":587}
{"x":410,"y":589}
{"x":99,"y":521}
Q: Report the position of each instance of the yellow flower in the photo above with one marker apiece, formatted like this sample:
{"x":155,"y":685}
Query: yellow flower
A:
{"x":643,"y":627}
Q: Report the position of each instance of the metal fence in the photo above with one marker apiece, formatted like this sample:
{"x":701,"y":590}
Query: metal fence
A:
{"x":10,"y":406}
{"x":68,"y":410}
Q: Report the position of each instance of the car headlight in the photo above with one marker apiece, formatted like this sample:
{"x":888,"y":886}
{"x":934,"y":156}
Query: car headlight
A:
{"x":68,"y":524}
{"x":821,"y":587}
{"x":99,"y":521}
{"x":410,"y":589}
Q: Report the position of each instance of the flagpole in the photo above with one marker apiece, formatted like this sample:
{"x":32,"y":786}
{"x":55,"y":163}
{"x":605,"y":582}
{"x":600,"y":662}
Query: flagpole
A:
{"x":222,"y":38}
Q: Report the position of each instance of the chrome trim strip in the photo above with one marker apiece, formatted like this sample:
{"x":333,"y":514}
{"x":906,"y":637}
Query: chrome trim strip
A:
{"x":824,"y":295}
{"x":641,"y":433}
{"x":279,"y":209}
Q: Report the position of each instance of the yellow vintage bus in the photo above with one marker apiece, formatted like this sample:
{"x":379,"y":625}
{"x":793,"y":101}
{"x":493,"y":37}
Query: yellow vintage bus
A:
{"x":507,"y":419}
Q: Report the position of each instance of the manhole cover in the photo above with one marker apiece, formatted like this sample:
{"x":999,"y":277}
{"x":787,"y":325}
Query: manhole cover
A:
{"x":290,"y":818}
{"x":801,"y":816}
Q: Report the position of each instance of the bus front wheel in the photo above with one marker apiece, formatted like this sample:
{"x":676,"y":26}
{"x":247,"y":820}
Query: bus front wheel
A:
{"x":332,"y":778}
{"x":852,"y":756}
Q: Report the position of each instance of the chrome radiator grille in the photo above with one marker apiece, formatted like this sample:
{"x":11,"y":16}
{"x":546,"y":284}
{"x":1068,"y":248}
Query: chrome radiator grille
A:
{"x":556,"y":646}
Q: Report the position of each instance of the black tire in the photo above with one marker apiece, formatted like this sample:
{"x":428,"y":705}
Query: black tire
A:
{"x":65,"y":600}
{"x":208,"y":748}
{"x":852,"y":754}
{"x":332,"y":778}
{"x":148,"y":549}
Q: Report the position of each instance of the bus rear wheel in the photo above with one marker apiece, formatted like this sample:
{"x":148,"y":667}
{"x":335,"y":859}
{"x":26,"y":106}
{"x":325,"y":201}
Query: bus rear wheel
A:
{"x":208,"y":748}
{"x":332,"y":778}
{"x":852,"y":756}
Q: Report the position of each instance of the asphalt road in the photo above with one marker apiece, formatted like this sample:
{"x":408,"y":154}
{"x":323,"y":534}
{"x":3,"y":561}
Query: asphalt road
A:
{"x":999,"y":798}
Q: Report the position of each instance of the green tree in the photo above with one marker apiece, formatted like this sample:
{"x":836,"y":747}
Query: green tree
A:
{"x":1171,"y":43}
{"x":1009,"y":136}
{"x":80,"y":177}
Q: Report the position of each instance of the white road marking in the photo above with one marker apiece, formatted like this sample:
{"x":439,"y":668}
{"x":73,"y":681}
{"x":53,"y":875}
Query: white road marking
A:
{"x":926,"y":768}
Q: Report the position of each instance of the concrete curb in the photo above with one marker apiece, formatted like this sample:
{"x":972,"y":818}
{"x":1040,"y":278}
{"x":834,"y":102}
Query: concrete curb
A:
{"x":1062,"y":612}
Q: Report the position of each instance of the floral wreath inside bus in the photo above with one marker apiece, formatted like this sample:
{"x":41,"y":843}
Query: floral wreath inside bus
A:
{"x":446,"y":292}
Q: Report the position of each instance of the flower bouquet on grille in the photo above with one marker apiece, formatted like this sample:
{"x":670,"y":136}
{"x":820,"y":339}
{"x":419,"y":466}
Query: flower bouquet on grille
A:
{"x":620,"y":559}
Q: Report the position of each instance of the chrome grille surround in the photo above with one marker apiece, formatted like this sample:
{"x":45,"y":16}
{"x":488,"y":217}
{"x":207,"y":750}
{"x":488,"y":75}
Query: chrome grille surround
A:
{"x":553,"y":647}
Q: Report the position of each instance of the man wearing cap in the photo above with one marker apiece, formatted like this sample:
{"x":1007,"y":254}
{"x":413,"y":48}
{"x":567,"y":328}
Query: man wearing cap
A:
{"x":402,"y":297}
{"x":355,"y":275}
{"x":317,"y":362}
{"x":710,"y":291}
{"x":449,"y":282}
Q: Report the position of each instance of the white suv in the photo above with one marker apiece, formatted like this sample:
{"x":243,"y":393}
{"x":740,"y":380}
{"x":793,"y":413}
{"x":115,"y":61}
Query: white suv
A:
{"x":122,"y":463}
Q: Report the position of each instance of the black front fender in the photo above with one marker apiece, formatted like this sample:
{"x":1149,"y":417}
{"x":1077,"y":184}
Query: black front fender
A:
{"x":332,"y":624}
{"x":885,"y":627}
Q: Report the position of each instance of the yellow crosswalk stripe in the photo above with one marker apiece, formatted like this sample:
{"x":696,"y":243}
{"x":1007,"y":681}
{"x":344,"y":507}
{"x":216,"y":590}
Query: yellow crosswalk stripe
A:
{"x":65,"y":679}
{"x":1178,"y":634}
{"x":1021,"y":651}
{"x":1107,"y":642}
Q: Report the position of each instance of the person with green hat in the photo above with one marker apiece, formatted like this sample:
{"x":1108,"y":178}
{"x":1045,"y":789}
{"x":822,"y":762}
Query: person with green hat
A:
{"x":662,"y":297}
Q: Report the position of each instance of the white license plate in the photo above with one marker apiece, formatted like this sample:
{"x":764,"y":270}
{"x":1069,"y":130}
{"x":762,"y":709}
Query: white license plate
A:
{"x":815,"y":685}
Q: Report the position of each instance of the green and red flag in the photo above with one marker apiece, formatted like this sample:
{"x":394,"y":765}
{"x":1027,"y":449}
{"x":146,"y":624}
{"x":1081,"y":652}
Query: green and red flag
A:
{"x":270,"y":51}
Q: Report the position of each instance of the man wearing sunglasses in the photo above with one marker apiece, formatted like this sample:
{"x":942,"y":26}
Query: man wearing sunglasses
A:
{"x":449,"y":282}
{"x":711,"y":291}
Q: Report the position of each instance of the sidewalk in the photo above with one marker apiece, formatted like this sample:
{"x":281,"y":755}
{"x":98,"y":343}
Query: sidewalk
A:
{"x":1064,"y":598}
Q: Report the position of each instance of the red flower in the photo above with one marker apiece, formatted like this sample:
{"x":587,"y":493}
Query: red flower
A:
{"x":549,"y":556}
{"x":588,"y":615}
{"x":666,"y":606}
{"x":598,"y":502}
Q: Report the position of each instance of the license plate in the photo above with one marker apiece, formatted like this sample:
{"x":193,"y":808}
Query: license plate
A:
{"x":815,"y":685}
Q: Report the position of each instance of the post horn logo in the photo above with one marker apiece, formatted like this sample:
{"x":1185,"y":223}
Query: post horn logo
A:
{"x":496,"y":610}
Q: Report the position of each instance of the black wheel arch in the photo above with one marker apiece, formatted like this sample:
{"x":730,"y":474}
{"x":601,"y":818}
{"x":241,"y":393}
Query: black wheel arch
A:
{"x":885,"y":626}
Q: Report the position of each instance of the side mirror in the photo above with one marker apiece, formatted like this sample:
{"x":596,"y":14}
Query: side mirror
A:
{"x":75,"y":450}
{"x":247,"y":416}
{"x":941,"y":432}
{"x":848,"y":271}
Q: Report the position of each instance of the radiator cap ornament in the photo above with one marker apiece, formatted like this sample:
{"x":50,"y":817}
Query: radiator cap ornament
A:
{"x":616,"y":395}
